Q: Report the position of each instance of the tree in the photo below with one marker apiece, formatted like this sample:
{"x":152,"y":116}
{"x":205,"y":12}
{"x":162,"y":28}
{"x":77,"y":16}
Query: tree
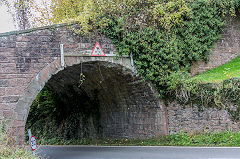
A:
{"x":19,"y":9}
{"x":22,"y":12}
{"x":90,"y":13}
{"x":132,"y":13}
{"x":29,"y":13}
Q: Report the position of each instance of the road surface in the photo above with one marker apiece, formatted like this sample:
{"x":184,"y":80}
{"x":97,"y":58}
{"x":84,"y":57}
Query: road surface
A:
{"x":105,"y":152}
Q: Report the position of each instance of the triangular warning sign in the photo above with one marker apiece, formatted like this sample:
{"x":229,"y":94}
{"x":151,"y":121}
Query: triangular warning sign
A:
{"x":97,"y":51}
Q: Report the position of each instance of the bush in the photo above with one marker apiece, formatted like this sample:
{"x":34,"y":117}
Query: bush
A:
{"x":225,"y":95}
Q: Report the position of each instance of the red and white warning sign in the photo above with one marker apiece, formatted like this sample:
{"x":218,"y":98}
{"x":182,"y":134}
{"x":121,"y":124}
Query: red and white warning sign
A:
{"x":97,"y":51}
{"x":33,"y":143}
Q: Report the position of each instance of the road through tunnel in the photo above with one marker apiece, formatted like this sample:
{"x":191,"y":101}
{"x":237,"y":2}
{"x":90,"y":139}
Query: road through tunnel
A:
{"x":99,"y":100}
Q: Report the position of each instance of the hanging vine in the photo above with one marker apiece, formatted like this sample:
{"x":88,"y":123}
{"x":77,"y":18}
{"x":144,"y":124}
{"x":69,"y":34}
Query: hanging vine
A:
{"x":81,"y":77}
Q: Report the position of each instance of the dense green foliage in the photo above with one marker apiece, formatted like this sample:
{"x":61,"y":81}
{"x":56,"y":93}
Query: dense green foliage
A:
{"x":164,"y":36}
{"x":163,"y":55}
{"x":43,"y":115}
{"x":91,"y":14}
{"x":159,"y":52}
{"x":227,"y":138}
{"x":164,"y":42}
{"x":225,"y":71}
{"x":225,"y":95}
{"x":66,"y":116}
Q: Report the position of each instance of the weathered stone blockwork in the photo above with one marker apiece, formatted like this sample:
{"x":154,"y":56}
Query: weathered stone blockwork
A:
{"x":226,"y":49}
{"x":127,"y":107}
{"x":28,"y":59}
{"x":190,"y":120}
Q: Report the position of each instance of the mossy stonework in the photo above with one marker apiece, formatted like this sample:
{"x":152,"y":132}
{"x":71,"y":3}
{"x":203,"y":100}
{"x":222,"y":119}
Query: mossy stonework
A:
{"x":128,"y":107}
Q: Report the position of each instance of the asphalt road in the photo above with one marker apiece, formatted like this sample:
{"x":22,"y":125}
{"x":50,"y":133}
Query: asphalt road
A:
{"x":95,"y":152}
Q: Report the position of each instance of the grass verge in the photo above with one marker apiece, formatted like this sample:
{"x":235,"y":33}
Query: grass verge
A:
{"x":7,"y":148}
{"x":225,"y":71}
{"x":13,"y":152}
{"x":227,"y":138}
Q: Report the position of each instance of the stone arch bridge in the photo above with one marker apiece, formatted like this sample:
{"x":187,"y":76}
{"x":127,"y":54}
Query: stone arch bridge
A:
{"x":31,"y":59}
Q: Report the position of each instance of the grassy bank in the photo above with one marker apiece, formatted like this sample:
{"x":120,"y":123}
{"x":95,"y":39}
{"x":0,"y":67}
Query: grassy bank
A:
{"x":7,"y":148}
{"x":13,"y":152}
{"x":226,"y":138}
{"x":226,"y":71}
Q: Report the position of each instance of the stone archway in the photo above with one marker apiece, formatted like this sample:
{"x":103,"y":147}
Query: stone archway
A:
{"x":137,"y":110}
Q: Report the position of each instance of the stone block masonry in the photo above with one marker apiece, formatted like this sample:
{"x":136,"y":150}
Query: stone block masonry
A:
{"x":190,"y":119}
{"x":29,"y":59}
{"x":226,"y":48}
{"x":122,"y":105}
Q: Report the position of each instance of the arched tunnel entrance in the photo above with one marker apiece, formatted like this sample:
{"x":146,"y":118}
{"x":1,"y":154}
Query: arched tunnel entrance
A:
{"x":106,"y":101}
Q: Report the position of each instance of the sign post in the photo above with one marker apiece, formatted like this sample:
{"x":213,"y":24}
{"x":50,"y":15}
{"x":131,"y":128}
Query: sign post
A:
{"x":32,"y":140}
{"x":29,"y":134}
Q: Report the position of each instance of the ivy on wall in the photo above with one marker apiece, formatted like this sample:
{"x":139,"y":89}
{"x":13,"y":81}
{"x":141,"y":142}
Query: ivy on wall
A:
{"x":165,"y":37}
{"x":224,"y":95}
{"x":158,"y":52}
{"x":163,"y":55}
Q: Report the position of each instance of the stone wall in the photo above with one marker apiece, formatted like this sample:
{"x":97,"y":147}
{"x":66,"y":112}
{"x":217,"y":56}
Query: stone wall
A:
{"x":30,"y":58}
{"x":143,"y":122}
{"x":128,"y":107}
{"x":226,"y":48}
{"x":190,"y":120}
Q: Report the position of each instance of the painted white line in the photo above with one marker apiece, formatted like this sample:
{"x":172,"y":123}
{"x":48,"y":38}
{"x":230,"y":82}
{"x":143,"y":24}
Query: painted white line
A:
{"x":182,"y":147}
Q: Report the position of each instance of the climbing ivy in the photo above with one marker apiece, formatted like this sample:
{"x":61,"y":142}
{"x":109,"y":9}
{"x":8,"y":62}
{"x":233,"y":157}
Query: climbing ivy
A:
{"x":187,"y":91}
{"x":158,"y":52}
{"x":165,"y":37}
{"x":227,"y":96}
